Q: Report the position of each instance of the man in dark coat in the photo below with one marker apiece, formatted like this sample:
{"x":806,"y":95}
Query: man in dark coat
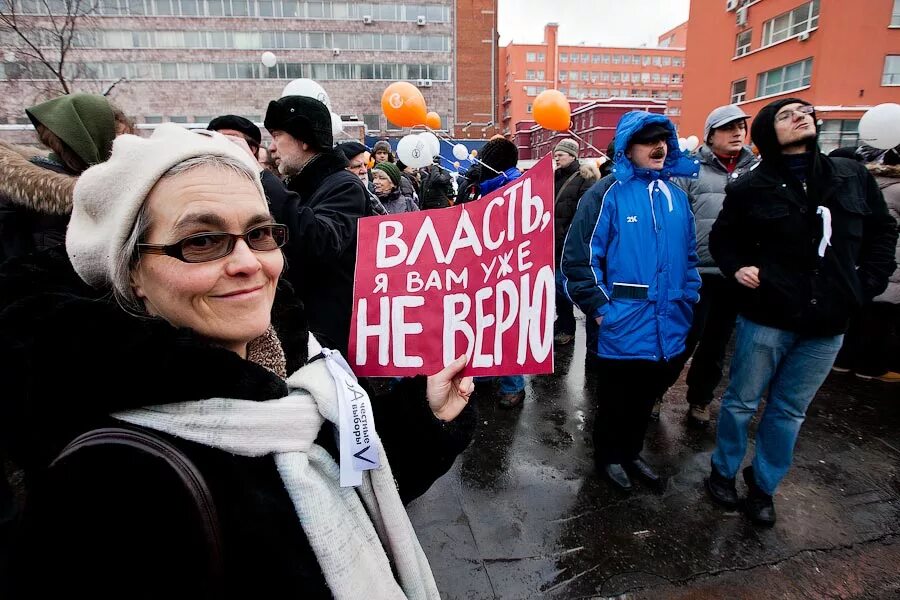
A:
{"x":808,"y":239}
{"x":570,"y":183}
{"x":322,"y":213}
{"x":437,"y":187}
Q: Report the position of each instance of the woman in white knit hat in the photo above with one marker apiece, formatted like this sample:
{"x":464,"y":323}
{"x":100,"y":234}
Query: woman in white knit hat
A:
{"x":240,"y":458}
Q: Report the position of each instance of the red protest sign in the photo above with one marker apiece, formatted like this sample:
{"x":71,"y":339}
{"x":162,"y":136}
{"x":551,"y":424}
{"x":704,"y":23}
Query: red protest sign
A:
{"x":474,"y":279}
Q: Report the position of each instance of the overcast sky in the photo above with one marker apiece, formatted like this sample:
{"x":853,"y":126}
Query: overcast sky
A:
{"x":594,"y":22}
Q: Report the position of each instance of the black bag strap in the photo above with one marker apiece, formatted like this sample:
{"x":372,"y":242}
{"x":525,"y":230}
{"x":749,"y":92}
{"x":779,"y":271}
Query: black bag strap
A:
{"x":564,"y":186}
{"x":187,"y":472}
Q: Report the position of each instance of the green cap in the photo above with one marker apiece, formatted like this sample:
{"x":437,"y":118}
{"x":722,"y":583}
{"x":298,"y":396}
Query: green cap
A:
{"x":84,"y":122}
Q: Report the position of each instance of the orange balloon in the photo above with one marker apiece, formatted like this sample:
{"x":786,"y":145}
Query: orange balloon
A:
{"x":403,"y":104}
{"x":433,"y":120}
{"x":551,"y":110}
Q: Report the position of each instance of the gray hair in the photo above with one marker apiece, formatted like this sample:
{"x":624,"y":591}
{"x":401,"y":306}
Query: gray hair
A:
{"x":130,"y":258}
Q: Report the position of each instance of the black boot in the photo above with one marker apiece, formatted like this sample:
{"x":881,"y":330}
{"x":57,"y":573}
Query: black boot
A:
{"x":617,"y":475}
{"x":721,"y":489}
{"x":640,"y":468}
{"x":758,"y":505}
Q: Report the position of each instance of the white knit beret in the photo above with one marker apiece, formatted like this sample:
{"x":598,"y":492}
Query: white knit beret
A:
{"x":108,"y":196}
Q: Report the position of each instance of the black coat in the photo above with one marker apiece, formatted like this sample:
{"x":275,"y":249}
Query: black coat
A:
{"x":322,"y":215}
{"x":770,"y":222}
{"x":69,"y":356}
{"x":437,"y":188}
{"x":566,"y":202}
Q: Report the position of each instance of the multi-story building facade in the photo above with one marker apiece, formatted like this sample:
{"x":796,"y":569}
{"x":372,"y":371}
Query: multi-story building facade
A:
{"x":842,"y":56}
{"x":594,"y":122}
{"x":189,"y":60}
{"x":586,"y":73}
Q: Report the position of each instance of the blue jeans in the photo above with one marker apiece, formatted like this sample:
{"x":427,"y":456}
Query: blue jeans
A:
{"x":792,"y":367}
{"x":509,"y":384}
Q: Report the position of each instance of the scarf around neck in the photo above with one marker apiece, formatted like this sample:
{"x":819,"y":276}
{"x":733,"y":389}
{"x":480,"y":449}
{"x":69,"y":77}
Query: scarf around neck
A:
{"x":357,"y":534}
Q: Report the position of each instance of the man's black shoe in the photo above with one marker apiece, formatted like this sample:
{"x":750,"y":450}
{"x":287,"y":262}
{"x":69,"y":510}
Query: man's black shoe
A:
{"x":640,"y":468}
{"x":617,"y":475}
{"x":758,"y":505}
{"x":721,"y":489}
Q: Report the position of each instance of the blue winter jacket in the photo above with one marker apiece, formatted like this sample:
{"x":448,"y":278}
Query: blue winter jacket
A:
{"x":631,"y":254}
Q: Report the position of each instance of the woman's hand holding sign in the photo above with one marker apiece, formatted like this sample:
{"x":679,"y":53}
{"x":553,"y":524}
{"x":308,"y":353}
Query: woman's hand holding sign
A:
{"x":448,"y":393}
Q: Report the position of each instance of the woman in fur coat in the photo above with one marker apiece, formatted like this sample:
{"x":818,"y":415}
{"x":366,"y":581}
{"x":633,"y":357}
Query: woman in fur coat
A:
{"x":164,"y":315}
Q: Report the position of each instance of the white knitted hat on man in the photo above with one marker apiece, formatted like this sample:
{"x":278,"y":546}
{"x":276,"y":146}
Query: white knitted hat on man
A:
{"x":108,"y":196}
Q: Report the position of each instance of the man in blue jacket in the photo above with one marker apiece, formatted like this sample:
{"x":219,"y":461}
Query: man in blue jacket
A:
{"x":630,"y":264}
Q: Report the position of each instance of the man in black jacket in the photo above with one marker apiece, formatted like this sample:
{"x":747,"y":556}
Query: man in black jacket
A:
{"x":322,"y":213}
{"x":808,"y":239}
{"x":570,"y":184}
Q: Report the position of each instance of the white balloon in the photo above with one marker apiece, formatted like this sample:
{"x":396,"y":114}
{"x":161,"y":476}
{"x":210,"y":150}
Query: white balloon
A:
{"x":269,"y":59}
{"x":309,"y":88}
{"x":880,"y":126}
{"x":414,"y":151}
{"x":434,"y":144}
{"x":460,"y":152}
{"x":682,"y":144}
{"x":692,"y":143}
{"x":337,"y":126}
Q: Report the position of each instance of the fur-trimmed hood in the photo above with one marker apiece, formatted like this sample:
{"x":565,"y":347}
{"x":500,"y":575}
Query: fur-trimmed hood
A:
{"x":589,"y":170}
{"x":26,"y":184}
{"x":888,"y":171}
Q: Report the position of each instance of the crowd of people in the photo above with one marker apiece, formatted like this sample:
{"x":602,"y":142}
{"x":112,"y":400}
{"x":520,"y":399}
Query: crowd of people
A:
{"x":174,"y":310}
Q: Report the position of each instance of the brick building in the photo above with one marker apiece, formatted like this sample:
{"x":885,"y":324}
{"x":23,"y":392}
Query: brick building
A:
{"x":844,"y":57}
{"x":594,"y":122}
{"x":189,"y":60}
{"x":585,"y":73}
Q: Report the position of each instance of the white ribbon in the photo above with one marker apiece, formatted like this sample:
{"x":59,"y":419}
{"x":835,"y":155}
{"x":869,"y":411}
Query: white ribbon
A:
{"x":359,"y":444}
{"x":826,"y":229}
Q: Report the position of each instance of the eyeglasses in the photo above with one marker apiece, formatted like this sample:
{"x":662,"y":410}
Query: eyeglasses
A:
{"x":802,"y":110}
{"x":205,"y":247}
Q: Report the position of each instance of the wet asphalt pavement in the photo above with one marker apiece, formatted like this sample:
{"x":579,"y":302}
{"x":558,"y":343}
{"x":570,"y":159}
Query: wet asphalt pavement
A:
{"x":523,"y":514}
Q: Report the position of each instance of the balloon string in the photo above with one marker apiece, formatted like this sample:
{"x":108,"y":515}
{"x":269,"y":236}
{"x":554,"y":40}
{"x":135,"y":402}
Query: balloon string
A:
{"x":470,"y":158}
{"x":588,"y":144}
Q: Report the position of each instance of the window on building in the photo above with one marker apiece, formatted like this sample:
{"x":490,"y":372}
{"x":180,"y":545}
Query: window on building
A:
{"x":528,"y":108}
{"x":563,"y":58}
{"x":595,"y":76}
{"x":676,"y":78}
{"x":742,"y":46}
{"x":534,"y":90}
{"x":647,"y":60}
{"x":836,"y":133}
{"x":785,"y":25}
{"x":595,"y":59}
{"x":604,"y":75}
{"x":891,"y":75}
{"x":626,"y":77}
{"x":530,"y":57}
{"x":530,"y":75}
{"x":626,"y":59}
{"x":616,"y":77}
{"x":677,"y":62}
{"x":573,"y":75}
{"x":585,"y":58}
{"x":675,"y":95}
{"x":153,"y":119}
{"x":563,"y":76}
{"x":666,"y":61}
{"x":655,"y":78}
{"x":617,"y":59}
{"x":540,"y":57}
{"x":664,"y":78}
{"x":738,"y":91}
{"x":657,"y":61}
{"x":573,"y":57}
{"x":784,"y":79}
{"x":645,"y":77}
{"x":372,"y":122}
{"x":604,"y":93}
{"x":585,"y":76}
{"x":594,"y":93}
{"x":895,"y":15}
{"x":636,"y":59}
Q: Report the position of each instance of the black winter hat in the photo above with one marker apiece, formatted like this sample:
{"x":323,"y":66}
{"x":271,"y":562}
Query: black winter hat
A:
{"x":763,"y":129}
{"x":499,"y":154}
{"x":351,"y":149}
{"x":237,"y":123}
{"x":304,"y":118}
{"x":651,"y":132}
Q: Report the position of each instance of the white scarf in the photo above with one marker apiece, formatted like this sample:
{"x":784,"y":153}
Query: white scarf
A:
{"x":348,"y":535}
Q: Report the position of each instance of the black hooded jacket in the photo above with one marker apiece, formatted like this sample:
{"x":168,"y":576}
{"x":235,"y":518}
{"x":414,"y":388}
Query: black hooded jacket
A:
{"x":118,"y":525}
{"x":770,"y":220}
{"x":322,"y":214}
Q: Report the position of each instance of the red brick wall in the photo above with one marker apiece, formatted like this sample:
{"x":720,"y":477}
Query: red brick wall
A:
{"x":476,"y":40}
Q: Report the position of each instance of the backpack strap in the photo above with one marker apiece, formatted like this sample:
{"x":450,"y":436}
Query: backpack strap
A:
{"x":187,"y":471}
{"x":567,"y":182}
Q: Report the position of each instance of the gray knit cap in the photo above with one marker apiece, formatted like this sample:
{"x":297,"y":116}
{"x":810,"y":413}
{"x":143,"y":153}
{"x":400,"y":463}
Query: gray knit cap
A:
{"x":568,"y":146}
